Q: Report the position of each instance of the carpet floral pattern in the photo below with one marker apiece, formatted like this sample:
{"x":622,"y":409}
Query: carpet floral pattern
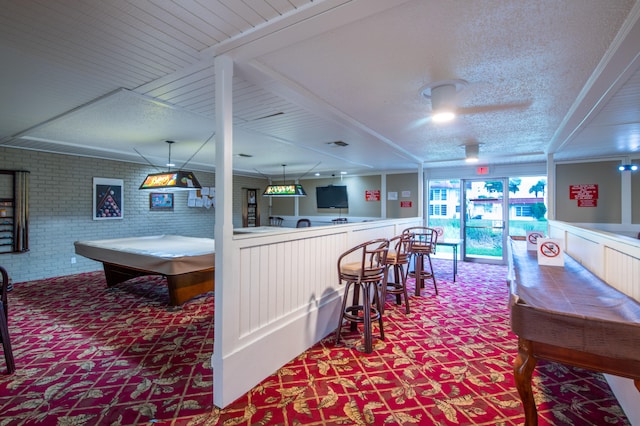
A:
{"x":88,"y":355}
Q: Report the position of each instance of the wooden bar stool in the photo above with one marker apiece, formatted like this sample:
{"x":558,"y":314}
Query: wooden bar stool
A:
{"x":422,"y":244}
{"x":275,"y":221}
{"x":4,"y":321}
{"x":397,"y":258}
{"x":364,"y":268}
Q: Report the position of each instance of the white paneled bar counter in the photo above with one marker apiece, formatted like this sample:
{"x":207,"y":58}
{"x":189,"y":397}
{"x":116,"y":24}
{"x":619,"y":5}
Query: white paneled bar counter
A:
{"x":284,"y":297}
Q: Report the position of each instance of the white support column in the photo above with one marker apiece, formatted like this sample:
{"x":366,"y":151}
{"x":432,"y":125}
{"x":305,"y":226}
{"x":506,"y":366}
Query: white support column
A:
{"x":383,"y":196}
{"x":296,"y":204}
{"x":224,"y":222}
{"x":551,"y":188}
{"x":625,"y":192}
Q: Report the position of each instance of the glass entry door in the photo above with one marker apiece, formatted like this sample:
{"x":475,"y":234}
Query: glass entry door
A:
{"x":484,"y":224}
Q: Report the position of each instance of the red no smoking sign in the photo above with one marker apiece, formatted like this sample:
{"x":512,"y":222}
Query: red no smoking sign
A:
{"x":550,"y":252}
{"x":533,"y":237}
{"x":550,"y":249}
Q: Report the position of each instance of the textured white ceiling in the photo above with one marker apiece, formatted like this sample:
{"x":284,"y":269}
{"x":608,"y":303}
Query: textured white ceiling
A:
{"x":115,"y":79}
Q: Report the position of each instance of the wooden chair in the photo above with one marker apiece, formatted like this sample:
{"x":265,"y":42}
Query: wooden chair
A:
{"x":364,"y":275}
{"x":303,"y":223}
{"x":422,"y":244}
{"x":397,"y":258}
{"x":275,"y":221}
{"x":4,"y":321}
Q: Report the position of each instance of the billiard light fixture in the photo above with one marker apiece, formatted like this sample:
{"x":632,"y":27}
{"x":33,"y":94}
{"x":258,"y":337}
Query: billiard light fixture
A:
{"x":628,"y":167}
{"x":284,"y":190}
{"x":178,"y":180}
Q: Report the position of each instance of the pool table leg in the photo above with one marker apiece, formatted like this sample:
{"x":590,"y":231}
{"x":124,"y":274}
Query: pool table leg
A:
{"x":187,"y":286}
{"x":182,"y":287}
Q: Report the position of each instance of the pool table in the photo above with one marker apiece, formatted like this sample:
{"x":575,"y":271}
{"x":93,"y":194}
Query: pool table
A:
{"x":186,"y":262}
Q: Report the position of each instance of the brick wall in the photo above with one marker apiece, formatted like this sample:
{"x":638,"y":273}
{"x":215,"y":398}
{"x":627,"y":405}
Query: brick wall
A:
{"x":60,"y":210}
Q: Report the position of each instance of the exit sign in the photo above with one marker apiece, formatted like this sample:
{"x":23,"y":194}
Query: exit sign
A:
{"x":482,"y":170}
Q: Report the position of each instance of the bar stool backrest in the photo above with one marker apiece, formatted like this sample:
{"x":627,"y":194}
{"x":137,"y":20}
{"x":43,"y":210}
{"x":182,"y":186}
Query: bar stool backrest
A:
{"x":275,"y":221}
{"x":303,"y":223}
{"x":422,"y":239}
{"x":399,"y":249}
{"x":372,"y":263}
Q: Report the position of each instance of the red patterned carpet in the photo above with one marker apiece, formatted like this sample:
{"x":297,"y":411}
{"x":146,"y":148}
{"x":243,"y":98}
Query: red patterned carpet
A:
{"x":88,"y":355}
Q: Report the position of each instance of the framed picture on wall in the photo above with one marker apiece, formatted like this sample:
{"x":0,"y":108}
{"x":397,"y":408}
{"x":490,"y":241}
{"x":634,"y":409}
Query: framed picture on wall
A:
{"x":108,"y":200}
{"x":161,"y":201}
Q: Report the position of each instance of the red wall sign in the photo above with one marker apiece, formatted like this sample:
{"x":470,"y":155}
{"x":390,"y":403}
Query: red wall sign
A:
{"x":586,"y":194}
{"x":583,"y":192}
{"x":587,"y":203}
{"x":406,"y":204}
{"x":372,"y":195}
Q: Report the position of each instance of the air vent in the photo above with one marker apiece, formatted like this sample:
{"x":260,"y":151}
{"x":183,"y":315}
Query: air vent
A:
{"x":338,"y":143}
{"x":268,"y":116}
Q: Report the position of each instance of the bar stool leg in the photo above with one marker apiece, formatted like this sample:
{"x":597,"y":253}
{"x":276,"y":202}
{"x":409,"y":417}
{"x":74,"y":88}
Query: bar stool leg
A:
{"x":418,"y":268}
{"x":403,"y":277}
{"x":379,"y":305}
{"x":6,"y":344}
{"x":398,"y":286}
{"x":342,"y":311}
{"x":354,"y":304}
{"x":397,"y":271}
{"x":433,"y":275}
{"x":366,"y":311}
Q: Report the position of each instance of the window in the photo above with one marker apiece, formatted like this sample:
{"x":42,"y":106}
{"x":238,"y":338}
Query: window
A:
{"x":437,"y":209}
{"x":438,"y":194}
{"x":523,"y":211}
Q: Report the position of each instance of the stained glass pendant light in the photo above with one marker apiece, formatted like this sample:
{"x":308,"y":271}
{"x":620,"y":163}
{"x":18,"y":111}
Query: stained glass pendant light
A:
{"x":171,"y":180}
{"x":284,"y":190}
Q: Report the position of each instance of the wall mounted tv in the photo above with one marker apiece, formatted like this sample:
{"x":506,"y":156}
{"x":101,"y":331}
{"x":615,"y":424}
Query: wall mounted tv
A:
{"x":332,"y":197}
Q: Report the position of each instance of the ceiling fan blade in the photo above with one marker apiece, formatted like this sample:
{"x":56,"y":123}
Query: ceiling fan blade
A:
{"x":480,"y":109}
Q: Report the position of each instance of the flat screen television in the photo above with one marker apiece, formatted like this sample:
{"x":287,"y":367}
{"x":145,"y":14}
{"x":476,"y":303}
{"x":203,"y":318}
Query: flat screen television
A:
{"x":332,"y":197}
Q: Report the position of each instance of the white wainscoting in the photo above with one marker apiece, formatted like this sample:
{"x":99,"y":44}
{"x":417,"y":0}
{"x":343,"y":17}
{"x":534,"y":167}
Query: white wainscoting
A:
{"x":615,"y":259}
{"x":284,"y":297}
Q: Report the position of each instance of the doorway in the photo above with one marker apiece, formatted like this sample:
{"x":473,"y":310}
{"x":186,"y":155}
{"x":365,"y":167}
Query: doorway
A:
{"x":484,"y":227}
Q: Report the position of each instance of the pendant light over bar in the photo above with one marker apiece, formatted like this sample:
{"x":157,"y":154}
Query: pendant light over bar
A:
{"x":171,"y":181}
{"x":284,"y":190}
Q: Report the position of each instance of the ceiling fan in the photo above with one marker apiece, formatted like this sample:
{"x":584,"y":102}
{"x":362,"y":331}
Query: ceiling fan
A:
{"x":445,"y":99}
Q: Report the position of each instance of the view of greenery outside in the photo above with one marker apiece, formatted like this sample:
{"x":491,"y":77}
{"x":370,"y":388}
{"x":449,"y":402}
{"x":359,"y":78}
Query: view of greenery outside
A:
{"x":524,"y":215}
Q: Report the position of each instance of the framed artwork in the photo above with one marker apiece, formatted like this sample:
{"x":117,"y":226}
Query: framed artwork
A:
{"x":108,"y":200}
{"x":161,"y":201}
{"x":250,"y":214}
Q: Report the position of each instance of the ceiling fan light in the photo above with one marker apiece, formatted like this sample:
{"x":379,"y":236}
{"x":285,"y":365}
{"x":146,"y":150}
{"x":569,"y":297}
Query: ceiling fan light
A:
{"x":443,"y":116}
{"x":471,"y":153}
{"x":443,"y":98}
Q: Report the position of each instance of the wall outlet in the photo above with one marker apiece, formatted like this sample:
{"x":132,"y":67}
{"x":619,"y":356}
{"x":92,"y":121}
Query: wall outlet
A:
{"x":73,"y":260}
